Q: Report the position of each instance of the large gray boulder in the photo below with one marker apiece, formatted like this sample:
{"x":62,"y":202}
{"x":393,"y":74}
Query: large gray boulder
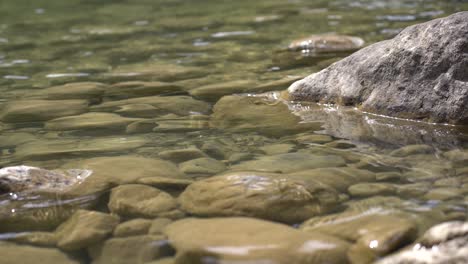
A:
{"x":422,"y":74}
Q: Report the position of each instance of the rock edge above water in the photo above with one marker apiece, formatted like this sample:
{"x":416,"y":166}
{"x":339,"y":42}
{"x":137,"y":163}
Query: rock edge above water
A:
{"x":419,"y":74}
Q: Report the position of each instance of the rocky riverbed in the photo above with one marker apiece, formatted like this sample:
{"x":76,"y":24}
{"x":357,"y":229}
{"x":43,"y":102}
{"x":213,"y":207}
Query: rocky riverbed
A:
{"x":170,"y":139}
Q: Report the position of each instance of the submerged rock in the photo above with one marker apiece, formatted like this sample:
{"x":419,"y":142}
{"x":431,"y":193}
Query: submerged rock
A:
{"x":374,"y":233}
{"x":12,"y":254}
{"x":315,"y":48}
{"x":125,"y":169}
{"x":291,"y":162}
{"x":91,"y":91}
{"x":248,"y":240}
{"x":85,"y":228}
{"x":25,"y":178}
{"x":269,"y":117}
{"x":419,"y":74}
{"x":446,"y":243}
{"x":134,"y":249}
{"x":262,"y":195}
{"x":41,"y":110}
{"x":136,"y":200}
{"x":90,"y":121}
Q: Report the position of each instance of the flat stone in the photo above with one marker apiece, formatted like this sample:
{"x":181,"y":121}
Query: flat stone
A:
{"x":256,"y":194}
{"x":181,"y":155}
{"x":237,"y":239}
{"x":116,"y":170}
{"x":374,"y":233}
{"x":213,"y":92}
{"x":419,"y":74}
{"x":133,"y":227}
{"x":266,"y":116}
{"x":41,"y":110}
{"x":136,"y":200}
{"x":179,"y":105}
{"x":39,"y":239}
{"x":338,"y":178}
{"x":85,"y":228}
{"x":125,"y":90}
{"x":313,"y":139}
{"x":69,"y":147}
{"x":90,"y":121}
{"x":202,"y":166}
{"x":371,"y":189}
{"x":124,"y":250}
{"x":290,"y":162}
{"x":444,"y":193}
{"x":91,"y":91}
{"x":275,"y":149}
{"x":412,"y":150}
{"x":138,"y":110}
{"x":12,"y":253}
{"x":277,"y":85}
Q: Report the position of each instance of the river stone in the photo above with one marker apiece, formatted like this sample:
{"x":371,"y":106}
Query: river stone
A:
{"x":412,"y":150}
{"x":248,"y":240}
{"x":202,"y":166}
{"x":138,"y":110}
{"x":374,"y":233}
{"x":90,"y":121}
{"x":274,"y":149}
{"x":134,"y":249}
{"x":290,"y":162}
{"x":213,"y":92}
{"x":12,"y":254}
{"x":446,"y":243}
{"x":91,"y":91}
{"x":41,"y":110}
{"x":158,"y":225}
{"x":156,"y":72}
{"x":132,"y":227}
{"x":419,"y":74}
{"x":316,"y":48}
{"x":111,"y":171}
{"x":459,"y":157}
{"x":39,"y":150}
{"x":85,"y":228}
{"x":181,"y":155}
{"x":246,"y":113}
{"x":136,"y":200}
{"x":371,"y":189}
{"x":263,"y":195}
{"x":313,"y":138}
{"x":39,"y":239}
{"x":124,"y":90}
{"x":179,"y":105}
{"x":32,"y":179}
{"x":442,"y":194}
{"x":337,"y":178}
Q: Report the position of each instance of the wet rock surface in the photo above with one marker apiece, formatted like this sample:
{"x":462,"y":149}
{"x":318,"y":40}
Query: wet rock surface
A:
{"x":11,"y":253}
{"x":443,"y":243}
{"x":32,"y":179}
{"x":85,"y":228}
{"x":194,"y":241}
{"x":420,"y":74}
{"x":135,"y":200}
{"x":262,"y":195}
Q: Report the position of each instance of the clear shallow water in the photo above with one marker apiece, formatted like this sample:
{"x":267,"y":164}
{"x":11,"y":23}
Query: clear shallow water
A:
{"x":187,"y":46}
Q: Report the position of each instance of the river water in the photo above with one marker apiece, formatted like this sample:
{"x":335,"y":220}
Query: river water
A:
{"x":153,"y":96}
